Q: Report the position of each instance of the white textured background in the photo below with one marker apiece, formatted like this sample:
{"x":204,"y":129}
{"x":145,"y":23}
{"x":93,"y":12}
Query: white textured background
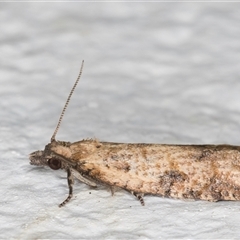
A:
{"x":154,"y":72}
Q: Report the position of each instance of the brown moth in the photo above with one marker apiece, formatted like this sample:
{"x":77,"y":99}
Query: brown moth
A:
{"x":206,"y":172}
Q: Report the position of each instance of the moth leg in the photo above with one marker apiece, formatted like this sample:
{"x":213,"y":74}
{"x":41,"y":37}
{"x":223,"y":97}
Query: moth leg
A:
{"x":113,"y":189}
{"x":139,"y":196}
{"x":70,"y":186}
{"x":83,"y":179}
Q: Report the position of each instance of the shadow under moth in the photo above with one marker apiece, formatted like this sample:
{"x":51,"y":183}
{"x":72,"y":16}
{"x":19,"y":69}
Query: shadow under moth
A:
{"x":206,"y":172}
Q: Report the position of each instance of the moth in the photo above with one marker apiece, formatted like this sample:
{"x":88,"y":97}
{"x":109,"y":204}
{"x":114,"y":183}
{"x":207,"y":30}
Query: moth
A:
{"x":206,"y":172}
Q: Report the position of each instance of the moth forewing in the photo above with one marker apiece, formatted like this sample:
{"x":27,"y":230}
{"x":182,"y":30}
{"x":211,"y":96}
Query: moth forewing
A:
{"x":206,"y":172}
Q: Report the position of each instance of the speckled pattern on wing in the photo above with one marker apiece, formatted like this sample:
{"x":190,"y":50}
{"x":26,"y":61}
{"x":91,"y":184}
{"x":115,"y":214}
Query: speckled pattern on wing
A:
{"x":207,"y":172}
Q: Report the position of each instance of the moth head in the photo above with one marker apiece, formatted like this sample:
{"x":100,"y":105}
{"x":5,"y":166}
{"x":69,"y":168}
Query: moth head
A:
{"x":40,"y":158}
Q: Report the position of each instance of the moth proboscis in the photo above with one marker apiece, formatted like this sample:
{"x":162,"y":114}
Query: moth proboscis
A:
{"x":206,"y":172}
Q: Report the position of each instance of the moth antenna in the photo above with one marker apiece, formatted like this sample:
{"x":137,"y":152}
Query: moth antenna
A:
{"x":66,"y":104}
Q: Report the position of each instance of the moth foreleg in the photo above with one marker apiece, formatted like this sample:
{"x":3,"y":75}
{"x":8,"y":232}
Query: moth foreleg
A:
{"x":83,"y":179}
{"x":70,"y":186}
{"x":139,"y":196}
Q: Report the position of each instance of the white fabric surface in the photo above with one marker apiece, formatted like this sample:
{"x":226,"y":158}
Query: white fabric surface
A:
{"x":154,"y":72}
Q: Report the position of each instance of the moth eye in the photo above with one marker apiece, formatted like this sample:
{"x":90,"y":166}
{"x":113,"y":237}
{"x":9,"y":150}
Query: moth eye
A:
{"x":54,"y":163}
